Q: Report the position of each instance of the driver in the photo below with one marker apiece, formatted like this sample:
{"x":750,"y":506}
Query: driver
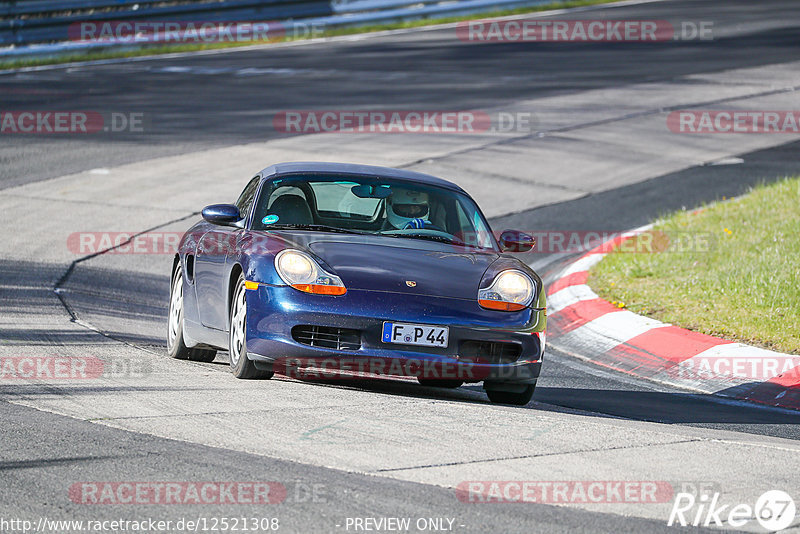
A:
{"x":407,"y":208}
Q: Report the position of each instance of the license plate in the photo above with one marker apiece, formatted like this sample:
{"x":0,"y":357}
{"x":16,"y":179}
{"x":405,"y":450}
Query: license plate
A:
{"x":415,"y":334}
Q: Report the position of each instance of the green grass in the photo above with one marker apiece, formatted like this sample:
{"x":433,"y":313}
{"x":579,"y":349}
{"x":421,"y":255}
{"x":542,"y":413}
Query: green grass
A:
{"x":745,"y":287}
{"x":169,"y":49}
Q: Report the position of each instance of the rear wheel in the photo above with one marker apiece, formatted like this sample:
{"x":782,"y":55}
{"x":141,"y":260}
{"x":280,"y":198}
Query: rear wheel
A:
{"x":514,"y":394}
{"x":440,"y":382}
{"x":241,"y":367}
{"x":176,"y":346}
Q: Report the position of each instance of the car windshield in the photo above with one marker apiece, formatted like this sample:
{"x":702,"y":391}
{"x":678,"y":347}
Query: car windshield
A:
{"x":376,"y":206}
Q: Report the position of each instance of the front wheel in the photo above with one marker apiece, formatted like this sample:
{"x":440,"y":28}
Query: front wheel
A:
{"x":176,"y":346}
{"x":241,"y":366}
{"x":516,"y":395}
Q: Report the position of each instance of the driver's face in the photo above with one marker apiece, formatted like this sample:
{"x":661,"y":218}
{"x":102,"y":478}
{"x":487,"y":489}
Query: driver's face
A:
{"x":411,"y":211}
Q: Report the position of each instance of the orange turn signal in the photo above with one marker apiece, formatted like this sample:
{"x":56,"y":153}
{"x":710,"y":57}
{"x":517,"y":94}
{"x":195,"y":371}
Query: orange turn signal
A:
{"x":320,"y":289}
{"x":501,"y":305}
{"x":250,"y":285}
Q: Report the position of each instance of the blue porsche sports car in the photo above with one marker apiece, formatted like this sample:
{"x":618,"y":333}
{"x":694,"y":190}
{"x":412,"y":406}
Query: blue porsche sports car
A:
{"x":352,"y":270}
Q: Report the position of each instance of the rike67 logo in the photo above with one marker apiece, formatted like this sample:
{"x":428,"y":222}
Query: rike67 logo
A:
{"x":774,"y":510}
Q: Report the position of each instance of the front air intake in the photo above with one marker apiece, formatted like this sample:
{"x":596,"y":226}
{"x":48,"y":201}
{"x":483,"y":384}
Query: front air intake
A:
{"x":327,"y":337}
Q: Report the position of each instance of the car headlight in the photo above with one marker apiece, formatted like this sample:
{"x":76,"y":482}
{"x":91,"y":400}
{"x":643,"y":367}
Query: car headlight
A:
{"x":511,"y":291}
{"x":300,"y":271}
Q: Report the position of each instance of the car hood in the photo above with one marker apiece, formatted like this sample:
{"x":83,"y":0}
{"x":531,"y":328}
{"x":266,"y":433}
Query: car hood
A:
{"x":404,"y":266}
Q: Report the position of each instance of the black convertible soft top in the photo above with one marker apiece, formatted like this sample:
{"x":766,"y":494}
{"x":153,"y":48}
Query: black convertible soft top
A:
{"x":321,"y":167}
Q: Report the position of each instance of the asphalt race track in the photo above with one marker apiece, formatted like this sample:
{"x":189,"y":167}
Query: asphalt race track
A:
{"x":597,"y":156}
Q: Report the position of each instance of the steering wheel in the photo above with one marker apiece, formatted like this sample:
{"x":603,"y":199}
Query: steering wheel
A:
{"x":423,"y":225}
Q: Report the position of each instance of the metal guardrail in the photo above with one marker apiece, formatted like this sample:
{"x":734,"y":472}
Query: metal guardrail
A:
{"x":32,"y":21}
{"x":38,"y":7}
{"x":41,"y":27}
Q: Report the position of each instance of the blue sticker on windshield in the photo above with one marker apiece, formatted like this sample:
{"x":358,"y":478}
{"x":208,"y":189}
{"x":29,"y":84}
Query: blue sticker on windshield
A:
{"x":270,"y":219}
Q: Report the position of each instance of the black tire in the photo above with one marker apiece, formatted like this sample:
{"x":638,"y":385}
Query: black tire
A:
{"x":509,"y":397}
{"x":176,"y":346}
{"x":440,"y":383}
{"x":241,"y":367}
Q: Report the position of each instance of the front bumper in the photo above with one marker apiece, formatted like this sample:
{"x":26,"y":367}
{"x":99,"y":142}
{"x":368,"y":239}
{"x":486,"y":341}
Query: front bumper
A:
{"x":273,"y":311}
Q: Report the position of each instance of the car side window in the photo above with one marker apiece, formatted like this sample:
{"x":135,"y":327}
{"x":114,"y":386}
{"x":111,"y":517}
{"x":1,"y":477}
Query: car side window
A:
{"x":246,"y":198}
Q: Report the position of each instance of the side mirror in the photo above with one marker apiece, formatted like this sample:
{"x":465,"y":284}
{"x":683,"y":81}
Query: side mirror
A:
{"x":222,"y":214}
{"x":514,"y":241}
